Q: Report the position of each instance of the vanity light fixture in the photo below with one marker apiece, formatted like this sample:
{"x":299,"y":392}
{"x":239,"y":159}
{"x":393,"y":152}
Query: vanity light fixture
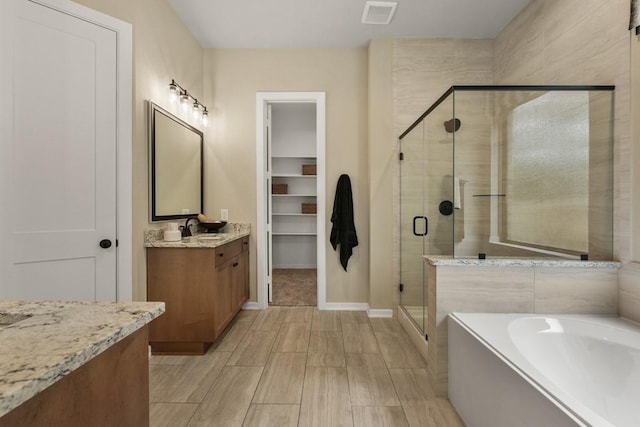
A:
{"x":199,"y":110}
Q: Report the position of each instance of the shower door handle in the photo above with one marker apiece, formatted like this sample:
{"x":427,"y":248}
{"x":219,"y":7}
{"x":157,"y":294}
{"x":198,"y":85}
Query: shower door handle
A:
{"x":426,"y":225}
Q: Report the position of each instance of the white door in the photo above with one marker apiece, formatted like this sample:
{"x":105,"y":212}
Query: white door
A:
{"x":58,"y":192}
{"x":269,"y":228}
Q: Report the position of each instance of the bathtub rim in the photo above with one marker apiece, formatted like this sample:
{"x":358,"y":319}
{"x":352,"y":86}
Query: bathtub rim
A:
{"x":579,"y":412}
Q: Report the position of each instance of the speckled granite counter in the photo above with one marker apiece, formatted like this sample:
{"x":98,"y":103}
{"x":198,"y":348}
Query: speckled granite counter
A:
{"x":56,"y":338}
{"x":154,"y":238}
{"x":439,"y":260}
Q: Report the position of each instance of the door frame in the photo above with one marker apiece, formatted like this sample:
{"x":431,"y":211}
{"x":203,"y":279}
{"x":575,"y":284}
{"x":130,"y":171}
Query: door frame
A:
{"x":124,"y":75}
{"x":262,"y":100}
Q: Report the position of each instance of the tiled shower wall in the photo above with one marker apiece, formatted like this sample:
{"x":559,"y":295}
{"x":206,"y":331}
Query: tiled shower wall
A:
{"x":582,"y":42}
{"x":577,"y":42}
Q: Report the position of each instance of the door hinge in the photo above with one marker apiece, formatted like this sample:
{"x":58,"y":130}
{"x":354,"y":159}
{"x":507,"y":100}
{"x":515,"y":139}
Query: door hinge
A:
{"x":426,"y":337}
{"x":401,"y":156}
{"x":116,"y":243}
{"x":401,"y":287}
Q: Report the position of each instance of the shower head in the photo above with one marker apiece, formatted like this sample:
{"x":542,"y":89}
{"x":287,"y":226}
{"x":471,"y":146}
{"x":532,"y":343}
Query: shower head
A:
{"x":452,"y":125}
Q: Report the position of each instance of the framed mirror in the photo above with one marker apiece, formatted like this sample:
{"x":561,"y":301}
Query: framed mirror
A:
{"x":175,"y":166}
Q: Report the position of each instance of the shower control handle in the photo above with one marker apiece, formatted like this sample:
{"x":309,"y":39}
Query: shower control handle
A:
{"x":426,"y":225}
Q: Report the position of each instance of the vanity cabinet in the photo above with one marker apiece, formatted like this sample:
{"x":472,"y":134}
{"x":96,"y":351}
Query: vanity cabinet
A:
{"x":203,"y":289}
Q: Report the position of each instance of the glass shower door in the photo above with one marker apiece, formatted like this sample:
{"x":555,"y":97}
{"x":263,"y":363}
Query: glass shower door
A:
{"x":426,"y":203}
{"x":413,"y":225}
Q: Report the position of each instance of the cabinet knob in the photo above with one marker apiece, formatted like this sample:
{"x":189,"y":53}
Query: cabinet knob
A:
{"x":220,"y":255}
{"x":235,"y":264}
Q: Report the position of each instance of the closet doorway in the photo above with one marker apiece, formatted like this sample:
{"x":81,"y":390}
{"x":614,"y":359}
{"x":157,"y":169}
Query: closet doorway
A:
{"x":291,"y":198}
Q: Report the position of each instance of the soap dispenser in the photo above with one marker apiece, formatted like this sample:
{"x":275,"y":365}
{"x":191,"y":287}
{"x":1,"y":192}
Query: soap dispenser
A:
{"x":172,"y":234}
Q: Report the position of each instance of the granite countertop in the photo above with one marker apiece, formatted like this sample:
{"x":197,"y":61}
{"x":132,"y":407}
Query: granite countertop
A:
{"x":51,"y":339}
{"x":153,"y":238}
{"x":444,"y":260}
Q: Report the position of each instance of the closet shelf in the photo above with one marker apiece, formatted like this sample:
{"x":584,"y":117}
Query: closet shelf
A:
{"x":293,"y":195}
{"x":291,"y":214}
{"x":294,"y":234}
{"x":294,"y":157}
{"x":290,"y":175}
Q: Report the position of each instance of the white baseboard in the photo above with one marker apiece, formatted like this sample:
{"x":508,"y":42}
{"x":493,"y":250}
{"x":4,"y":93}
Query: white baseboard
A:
{"x":295,"y":266}
{"x":339,"y":306}
{"x":377,"y":312}
{"x":346,"y":306}
{"x":251,"y":305}
{"x":358,"y":306}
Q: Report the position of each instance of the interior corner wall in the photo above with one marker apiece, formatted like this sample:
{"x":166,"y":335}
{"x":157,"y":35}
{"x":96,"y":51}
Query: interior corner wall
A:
{"x":566,"y":42}
{"x":635,"y":138}
{"x":563,"y":42}
{"x":383,"y":155}
{"x":231,"y":79}
{"x":163,"y":49}
{"x":629,"y":274}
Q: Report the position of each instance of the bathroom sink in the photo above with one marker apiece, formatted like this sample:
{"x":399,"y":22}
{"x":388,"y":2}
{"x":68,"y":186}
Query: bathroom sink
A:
{"x":7,"y":319}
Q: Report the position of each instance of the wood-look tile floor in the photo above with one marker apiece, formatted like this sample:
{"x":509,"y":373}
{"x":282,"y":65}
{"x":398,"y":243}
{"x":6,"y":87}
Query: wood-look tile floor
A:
{"x":298,"y":366}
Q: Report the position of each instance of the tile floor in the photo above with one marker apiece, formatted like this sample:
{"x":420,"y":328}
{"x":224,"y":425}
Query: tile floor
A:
{"x":298,"y":366}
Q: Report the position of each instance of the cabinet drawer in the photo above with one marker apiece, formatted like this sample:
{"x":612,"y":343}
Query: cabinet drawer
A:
{"x":226,"y":252}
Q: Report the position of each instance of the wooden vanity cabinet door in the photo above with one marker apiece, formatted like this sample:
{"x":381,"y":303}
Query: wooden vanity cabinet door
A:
{"x":222,"y":297}
{"x":182,"y":278}
{"x":241,"y":277}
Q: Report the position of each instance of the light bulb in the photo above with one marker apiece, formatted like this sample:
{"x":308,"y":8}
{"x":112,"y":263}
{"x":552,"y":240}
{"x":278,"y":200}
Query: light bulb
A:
{"x":205,"y":117}
{"x":184,"y":100}
{"x":173,"y":92}
{"x":196,"y":110}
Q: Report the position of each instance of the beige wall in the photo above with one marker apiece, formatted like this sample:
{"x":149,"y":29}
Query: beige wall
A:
{"x":231,"y":78}
{"x":163,"y":48}
{"x":383,"y":155}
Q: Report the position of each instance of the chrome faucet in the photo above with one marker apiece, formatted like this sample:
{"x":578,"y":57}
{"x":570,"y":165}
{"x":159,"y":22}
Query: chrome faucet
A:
{"x":186,"y":231}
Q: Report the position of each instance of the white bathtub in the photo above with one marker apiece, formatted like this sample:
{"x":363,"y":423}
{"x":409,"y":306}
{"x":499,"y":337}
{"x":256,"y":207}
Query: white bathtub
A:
{"x":544,"y":370}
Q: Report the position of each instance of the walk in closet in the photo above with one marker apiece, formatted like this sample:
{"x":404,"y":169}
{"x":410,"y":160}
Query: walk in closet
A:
{"x":293,"y":203}
{"x":293,"y":173}
{"x":293,"y":143}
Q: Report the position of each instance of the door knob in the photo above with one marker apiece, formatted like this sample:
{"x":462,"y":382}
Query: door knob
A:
{"x":105,"y":243}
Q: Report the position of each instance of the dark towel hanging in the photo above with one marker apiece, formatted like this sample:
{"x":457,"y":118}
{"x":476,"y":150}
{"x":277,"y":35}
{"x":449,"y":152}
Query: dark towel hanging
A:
{"x":343,"y":232}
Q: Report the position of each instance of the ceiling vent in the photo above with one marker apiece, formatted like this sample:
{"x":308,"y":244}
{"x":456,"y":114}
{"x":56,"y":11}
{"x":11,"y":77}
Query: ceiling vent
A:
{"x":378,"y":12}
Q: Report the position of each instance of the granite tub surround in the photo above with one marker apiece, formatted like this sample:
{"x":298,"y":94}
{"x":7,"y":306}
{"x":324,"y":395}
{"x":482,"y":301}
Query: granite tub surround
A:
{"x":50,"y":340}
{"x":511,"y":285}
{"x":153,"y":238}
{"x":444,"y":260}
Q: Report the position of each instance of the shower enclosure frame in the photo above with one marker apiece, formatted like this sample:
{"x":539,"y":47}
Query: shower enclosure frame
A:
{"x":421,"y":218}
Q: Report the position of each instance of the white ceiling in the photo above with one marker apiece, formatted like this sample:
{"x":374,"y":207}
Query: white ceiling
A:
{"x":336,"y":23}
